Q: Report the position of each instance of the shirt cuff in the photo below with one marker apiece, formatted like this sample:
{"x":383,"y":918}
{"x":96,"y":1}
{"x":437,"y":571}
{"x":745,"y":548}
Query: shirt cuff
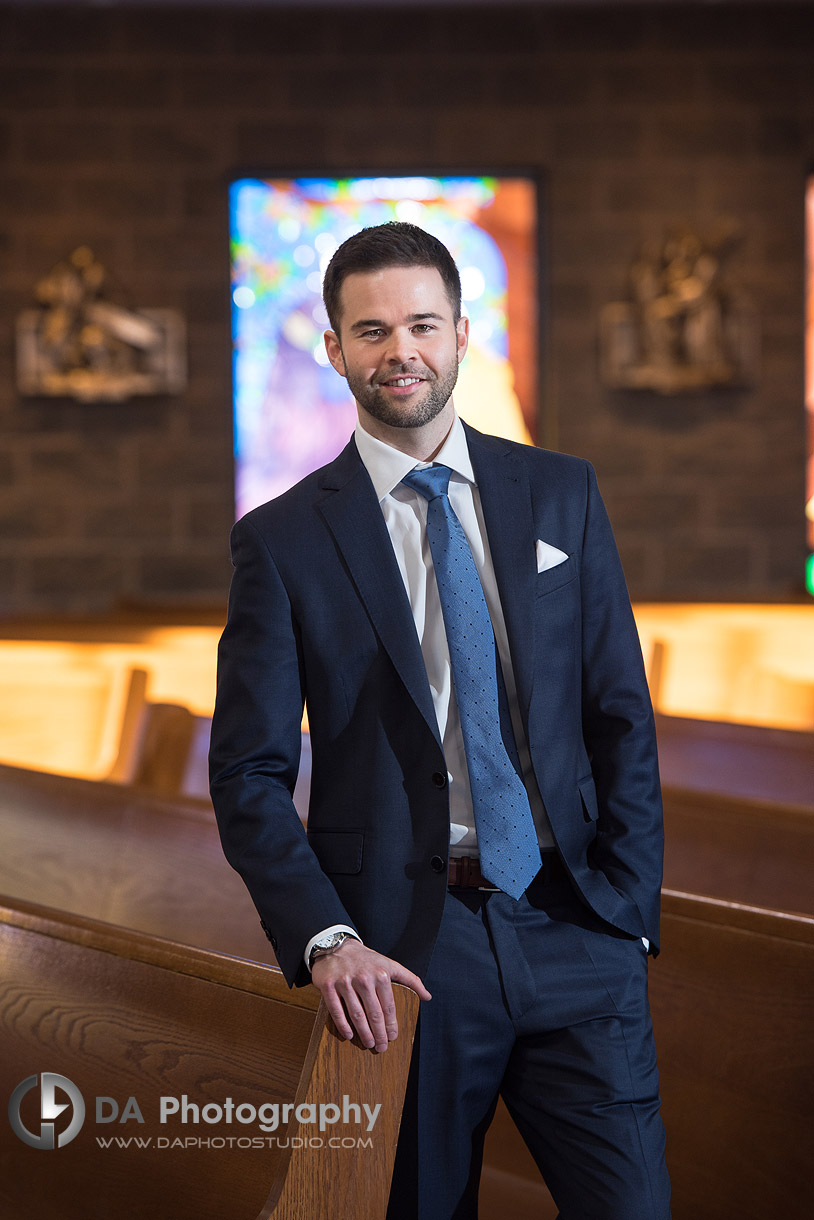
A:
{"x":646,"y":944}
{"x":336,"y":927}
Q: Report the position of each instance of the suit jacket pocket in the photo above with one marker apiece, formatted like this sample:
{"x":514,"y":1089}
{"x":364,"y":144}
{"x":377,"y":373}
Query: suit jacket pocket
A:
{"x":338,"y":851}
{"x":587,"y":790}
{"x":556,"y":577}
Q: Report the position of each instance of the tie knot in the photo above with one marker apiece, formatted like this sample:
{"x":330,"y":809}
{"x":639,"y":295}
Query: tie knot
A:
{"x":429,"y":483}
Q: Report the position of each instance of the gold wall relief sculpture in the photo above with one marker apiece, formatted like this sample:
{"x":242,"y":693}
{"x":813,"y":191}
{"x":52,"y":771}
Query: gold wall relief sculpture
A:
{"x":682,"y":328}
{"x":78,"y":344}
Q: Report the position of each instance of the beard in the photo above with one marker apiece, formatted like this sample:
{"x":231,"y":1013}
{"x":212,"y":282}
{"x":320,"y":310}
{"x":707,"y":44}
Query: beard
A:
{"x":433,"y":397}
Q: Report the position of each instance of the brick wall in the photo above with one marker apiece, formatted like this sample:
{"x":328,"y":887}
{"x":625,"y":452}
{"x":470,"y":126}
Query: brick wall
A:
{"x":121,"y":129}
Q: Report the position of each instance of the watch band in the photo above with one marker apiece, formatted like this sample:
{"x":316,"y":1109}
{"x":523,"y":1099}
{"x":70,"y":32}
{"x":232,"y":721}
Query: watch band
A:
{"x":326,"y":946}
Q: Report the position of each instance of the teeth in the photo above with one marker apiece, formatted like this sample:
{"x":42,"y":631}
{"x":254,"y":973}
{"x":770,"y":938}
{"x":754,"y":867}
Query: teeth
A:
{"x":405,"y":381}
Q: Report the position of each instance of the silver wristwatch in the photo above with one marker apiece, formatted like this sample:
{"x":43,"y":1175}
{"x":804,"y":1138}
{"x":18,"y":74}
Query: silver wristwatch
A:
{"x":327,"y":945}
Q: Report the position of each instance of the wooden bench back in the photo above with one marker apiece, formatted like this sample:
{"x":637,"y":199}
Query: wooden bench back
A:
{"x":753,"y":852}
{"x":745,"y":760}
{"x":124,"y":1015}
{"x":732,"y":996}
{"x":124,"y":857}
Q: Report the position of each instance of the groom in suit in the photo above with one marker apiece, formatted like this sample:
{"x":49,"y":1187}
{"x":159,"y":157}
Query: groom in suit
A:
{"x":485,"y":820}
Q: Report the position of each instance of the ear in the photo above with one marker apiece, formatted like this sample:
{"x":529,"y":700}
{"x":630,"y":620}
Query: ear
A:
{"x":334,"y":349}
{"x":462,"y":337}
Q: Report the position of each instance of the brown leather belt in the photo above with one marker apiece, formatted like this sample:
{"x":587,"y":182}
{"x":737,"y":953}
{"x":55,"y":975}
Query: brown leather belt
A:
{"x":464,"y":871}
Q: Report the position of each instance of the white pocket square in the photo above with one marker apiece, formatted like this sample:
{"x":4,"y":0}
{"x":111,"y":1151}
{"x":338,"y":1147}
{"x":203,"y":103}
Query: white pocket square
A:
{"x":548,"y":556}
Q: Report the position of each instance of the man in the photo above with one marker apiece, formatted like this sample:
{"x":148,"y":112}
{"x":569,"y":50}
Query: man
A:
{"x":485,"y":812}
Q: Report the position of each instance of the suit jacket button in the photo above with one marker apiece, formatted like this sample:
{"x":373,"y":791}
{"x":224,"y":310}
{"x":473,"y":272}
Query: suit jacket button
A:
{"x":439,"y":779}
{"x":437,"y":864}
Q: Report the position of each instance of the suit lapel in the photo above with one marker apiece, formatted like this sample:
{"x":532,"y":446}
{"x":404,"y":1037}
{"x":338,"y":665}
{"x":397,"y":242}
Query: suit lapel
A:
{"x":505,"y":497}
{"x":354,"y":517}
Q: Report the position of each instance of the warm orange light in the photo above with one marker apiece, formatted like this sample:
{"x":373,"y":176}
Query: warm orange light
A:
{"x":62,"y":702}
{"x":746,"y":664}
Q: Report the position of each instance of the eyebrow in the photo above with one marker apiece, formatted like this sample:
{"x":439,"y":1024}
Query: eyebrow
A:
{"x":367,"y":323}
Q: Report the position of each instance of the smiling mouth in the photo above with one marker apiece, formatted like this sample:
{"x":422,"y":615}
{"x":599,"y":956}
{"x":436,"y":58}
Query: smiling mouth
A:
{"x":403,"y":382}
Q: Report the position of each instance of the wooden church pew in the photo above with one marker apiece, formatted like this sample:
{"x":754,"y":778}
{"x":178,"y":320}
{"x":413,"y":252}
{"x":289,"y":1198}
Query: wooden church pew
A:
{"x":122,"y":1015}
{"x":759,"y":853}
{"x":129,"y":858}
{"x":722,"y":966}
{"x":747,"y":760}
{"x":732,"y":996}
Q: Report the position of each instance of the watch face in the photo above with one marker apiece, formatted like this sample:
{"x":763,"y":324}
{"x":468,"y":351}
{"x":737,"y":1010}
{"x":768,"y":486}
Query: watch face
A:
{"x":329,"y":942}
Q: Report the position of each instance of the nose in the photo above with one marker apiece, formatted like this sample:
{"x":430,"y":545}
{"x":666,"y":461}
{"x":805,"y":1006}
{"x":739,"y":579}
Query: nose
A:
{"x":401,"y":347}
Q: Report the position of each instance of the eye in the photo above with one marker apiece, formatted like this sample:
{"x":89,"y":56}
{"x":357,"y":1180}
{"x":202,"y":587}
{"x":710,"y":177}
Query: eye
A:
{"x":372,"y":334}
{"x":423,"y":328}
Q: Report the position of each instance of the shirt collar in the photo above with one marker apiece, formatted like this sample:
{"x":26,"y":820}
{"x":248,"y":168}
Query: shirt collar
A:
{"x":388,"y":466}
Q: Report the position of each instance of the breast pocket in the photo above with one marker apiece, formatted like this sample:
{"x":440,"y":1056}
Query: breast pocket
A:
{"x":554,"y":578}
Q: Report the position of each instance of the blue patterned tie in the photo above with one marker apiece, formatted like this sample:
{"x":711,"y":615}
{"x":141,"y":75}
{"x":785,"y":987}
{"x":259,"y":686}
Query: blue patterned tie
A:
{"x":507,"y":838}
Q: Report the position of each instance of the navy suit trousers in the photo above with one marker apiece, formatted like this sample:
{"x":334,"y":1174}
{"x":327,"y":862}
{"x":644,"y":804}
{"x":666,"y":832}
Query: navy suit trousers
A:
{"x":542,"y":1002}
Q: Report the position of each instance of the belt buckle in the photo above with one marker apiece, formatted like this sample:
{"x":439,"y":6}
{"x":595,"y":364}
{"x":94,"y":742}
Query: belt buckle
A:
{"x":468,"y":869}
{"x":486,"y":889}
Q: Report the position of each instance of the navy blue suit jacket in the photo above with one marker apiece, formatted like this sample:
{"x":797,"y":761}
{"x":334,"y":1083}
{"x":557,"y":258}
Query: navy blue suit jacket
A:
{"x":318,"y":612}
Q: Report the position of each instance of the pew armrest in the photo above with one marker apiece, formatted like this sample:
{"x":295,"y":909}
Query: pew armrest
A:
{"x":122,"y":1014}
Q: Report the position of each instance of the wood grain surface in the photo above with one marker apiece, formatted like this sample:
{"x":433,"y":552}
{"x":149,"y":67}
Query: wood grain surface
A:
{"x":731,"y":992}
{"x":122,"y":856}
{"x":759,"y":853}
{"x":745,"y":760}
{"x":732,"y":996}
{"x":124,"y":1015}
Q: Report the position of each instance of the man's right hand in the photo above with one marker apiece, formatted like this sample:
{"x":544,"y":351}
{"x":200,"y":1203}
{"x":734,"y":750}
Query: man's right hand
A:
{"x":357,"y":986}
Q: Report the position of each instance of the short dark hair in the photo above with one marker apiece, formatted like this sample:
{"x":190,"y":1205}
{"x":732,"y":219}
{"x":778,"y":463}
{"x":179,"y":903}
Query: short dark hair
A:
{"x":394,"y":244}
